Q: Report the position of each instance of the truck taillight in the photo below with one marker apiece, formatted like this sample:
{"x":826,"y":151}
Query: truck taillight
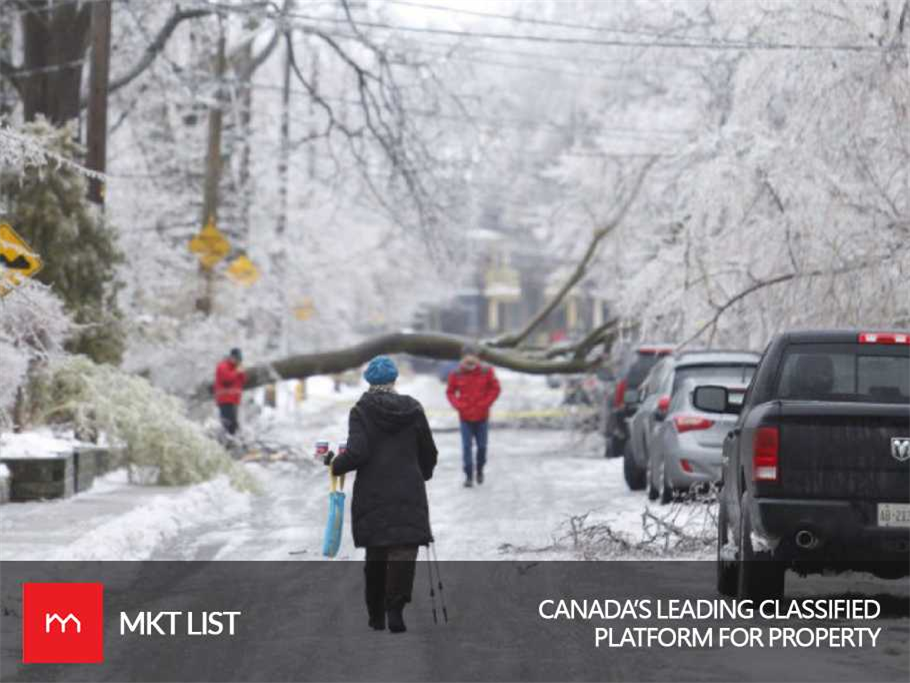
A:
{"x":620,"y":397}
{"x":884,"y":338}
{"x":691,"y":423}
{"x":765,"y":448}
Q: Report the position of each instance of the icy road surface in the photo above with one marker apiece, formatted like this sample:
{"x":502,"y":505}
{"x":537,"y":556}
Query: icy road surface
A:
{"x":533,"y":485}
{"x":536,"y":480}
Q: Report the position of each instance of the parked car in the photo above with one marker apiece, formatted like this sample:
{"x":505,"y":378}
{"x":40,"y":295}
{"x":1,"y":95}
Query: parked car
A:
{"x":686,"y":446}
{"x":587,"y":390}
{"x":816,"y":472}
{"x":643,"y":463}
{"x":621,"y":403}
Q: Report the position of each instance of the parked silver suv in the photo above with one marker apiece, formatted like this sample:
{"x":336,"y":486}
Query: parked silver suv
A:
{"x":655,"y":394}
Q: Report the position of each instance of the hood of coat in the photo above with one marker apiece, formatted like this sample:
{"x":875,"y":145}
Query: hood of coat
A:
{"x":390,"y":412}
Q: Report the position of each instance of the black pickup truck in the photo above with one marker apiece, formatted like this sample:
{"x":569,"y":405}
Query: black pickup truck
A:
{"x":816,"y":472}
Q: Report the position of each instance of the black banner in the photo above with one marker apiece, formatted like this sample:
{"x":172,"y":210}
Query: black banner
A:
{"x":507,"y":621}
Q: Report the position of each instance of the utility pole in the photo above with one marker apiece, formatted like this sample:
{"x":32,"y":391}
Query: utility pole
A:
{"x":96,"y":130}
{"x":213,"y":169}
{"x":284,"y":146}
{"x":213,"y":152}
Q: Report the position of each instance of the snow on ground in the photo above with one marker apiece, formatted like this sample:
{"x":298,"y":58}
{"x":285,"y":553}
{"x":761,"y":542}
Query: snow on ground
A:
{"x":536,"y":481}
{"x":113,"y":520}
{"x":40,"y":443}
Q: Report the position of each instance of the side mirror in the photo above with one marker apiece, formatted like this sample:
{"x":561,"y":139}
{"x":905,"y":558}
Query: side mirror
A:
{"x":663,"y":405}
{"x":714,"y":399}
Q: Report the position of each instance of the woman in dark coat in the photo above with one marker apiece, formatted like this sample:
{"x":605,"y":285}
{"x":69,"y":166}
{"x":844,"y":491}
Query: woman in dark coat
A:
{"x":391,"y":448}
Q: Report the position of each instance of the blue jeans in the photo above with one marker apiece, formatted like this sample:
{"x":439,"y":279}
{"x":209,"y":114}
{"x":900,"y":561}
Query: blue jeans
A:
{"x":470,"y":432}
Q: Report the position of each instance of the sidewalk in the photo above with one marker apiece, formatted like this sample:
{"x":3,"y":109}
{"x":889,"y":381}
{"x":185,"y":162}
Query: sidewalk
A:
{"x":113,"y":520}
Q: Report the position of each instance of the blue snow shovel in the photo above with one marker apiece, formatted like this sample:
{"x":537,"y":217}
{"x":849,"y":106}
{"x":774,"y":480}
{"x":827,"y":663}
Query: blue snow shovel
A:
{"x":332,"y":540}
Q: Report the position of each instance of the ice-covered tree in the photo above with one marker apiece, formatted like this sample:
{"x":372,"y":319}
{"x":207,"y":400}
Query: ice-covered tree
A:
{"x":47,"y":205}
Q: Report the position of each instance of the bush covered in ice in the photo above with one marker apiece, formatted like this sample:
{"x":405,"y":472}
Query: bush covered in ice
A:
{"x":33,"y":328}
{"x":151,"y":424}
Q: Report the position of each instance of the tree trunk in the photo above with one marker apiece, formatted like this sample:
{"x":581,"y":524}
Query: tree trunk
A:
{"x":55,"y":41}
{"x":213,"y":172}
{"x":96,"y":135}
{"x":426,"y":345}
{"x":213,"y":150}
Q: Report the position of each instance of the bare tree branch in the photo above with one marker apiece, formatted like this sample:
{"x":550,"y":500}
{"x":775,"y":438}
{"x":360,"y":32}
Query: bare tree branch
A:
{"x":157,"y":45}
{"x":770,"y":282}
{"x":426,"y":345}
{"x":512,"y":340}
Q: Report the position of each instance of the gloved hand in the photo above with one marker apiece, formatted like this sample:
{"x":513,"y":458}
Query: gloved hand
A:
{"x":327,"y":458}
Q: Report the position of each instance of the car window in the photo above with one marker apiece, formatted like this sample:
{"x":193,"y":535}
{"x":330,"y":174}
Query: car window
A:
{"x":844,"y":372}
{"x":681,"y":397}
{"x":640,"y":369}
{"x":739,"y":374}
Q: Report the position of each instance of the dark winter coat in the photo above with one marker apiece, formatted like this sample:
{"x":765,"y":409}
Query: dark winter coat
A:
{"x":391,"y":448}
{"x":473,"y":391}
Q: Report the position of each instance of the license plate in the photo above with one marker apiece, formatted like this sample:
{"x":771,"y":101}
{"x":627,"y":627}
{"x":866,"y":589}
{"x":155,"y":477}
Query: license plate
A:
{"x":894,"y":514}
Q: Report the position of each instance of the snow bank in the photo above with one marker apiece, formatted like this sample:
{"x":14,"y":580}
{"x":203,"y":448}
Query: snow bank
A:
{"x":136,"y":534}
{"x":40,"y":443}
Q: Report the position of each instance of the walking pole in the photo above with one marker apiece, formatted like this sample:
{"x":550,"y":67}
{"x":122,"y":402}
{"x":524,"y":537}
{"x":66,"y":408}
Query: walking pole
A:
{"x":442,"y":597}
{"x":430,"y":578}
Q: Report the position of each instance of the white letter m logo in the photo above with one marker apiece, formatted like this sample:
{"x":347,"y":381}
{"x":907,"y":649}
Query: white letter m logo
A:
{"x":51,"y":618}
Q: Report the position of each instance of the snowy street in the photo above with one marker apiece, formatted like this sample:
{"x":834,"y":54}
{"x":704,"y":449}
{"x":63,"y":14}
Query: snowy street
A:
{"x":537,"y":480}
{"x":585,"y":306}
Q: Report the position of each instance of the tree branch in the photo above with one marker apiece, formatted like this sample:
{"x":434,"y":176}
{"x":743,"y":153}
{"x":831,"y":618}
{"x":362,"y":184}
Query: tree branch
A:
{"x":426,"y":345}
{"x":763,"y":284}
{"x":157,"y":45}
{"x":512,"y":340}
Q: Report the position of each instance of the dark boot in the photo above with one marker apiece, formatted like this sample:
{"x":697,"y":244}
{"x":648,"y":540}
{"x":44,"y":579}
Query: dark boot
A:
{"x":396,"y":619}
{"x":468,"y":482}
{"x":399,"y":584}
{"x":377,"y":620}
{"x":479,"y":476}
{"x":375,"y":579}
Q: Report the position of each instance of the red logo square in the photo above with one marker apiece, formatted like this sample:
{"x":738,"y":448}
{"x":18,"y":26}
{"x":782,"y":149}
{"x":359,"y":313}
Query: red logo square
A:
{"x":62,"y":623}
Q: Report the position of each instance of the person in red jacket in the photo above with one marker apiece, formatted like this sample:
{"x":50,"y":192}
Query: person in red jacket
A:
{"x":472,"y":389}
{"x":229,"y":381}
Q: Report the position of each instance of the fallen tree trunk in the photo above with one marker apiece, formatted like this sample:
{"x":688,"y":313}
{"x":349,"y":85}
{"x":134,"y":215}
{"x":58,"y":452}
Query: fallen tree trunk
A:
{"x":426,"y":345}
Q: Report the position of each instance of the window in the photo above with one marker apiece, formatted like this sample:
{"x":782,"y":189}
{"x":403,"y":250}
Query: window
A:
{"x":842,"y":372}
{"x":727,"y":375}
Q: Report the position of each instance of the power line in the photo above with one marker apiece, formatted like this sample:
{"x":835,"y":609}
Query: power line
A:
{"x":526,"y":20}
{"x":610,"y":42}
{"x":498,"y":122}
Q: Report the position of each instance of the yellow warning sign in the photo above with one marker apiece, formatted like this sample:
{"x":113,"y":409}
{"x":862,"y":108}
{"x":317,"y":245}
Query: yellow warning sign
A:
{"x":210,"y":245}
{"x":305,"y":310}
{"x":17,"y":260}
{"x":243,"y":270}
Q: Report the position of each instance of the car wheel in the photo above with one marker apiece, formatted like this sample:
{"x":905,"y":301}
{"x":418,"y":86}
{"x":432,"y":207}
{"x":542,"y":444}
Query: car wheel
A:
{"x":635,"y":476}
{"x":666,"y":490}
{"x":726,"y":570}
{"x":759,"y":576}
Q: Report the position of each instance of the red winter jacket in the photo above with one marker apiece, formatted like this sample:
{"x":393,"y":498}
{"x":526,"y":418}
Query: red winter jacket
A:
{"x":228,"y":382}
{"x":472,"y":392}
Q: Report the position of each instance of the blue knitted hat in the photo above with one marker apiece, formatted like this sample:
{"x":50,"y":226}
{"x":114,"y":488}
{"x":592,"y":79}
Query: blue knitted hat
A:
{"x":381,"y":370}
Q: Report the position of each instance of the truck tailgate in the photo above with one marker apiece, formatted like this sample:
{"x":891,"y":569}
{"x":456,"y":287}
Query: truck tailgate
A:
{"x":843,"y":450}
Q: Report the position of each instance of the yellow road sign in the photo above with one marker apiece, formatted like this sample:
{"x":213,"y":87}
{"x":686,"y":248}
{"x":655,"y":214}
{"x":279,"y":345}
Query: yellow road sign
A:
{"x":210,"y":245}
{"x":305,"y":309}
{"x":17,"y":260}
{"x":243,"y":271}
